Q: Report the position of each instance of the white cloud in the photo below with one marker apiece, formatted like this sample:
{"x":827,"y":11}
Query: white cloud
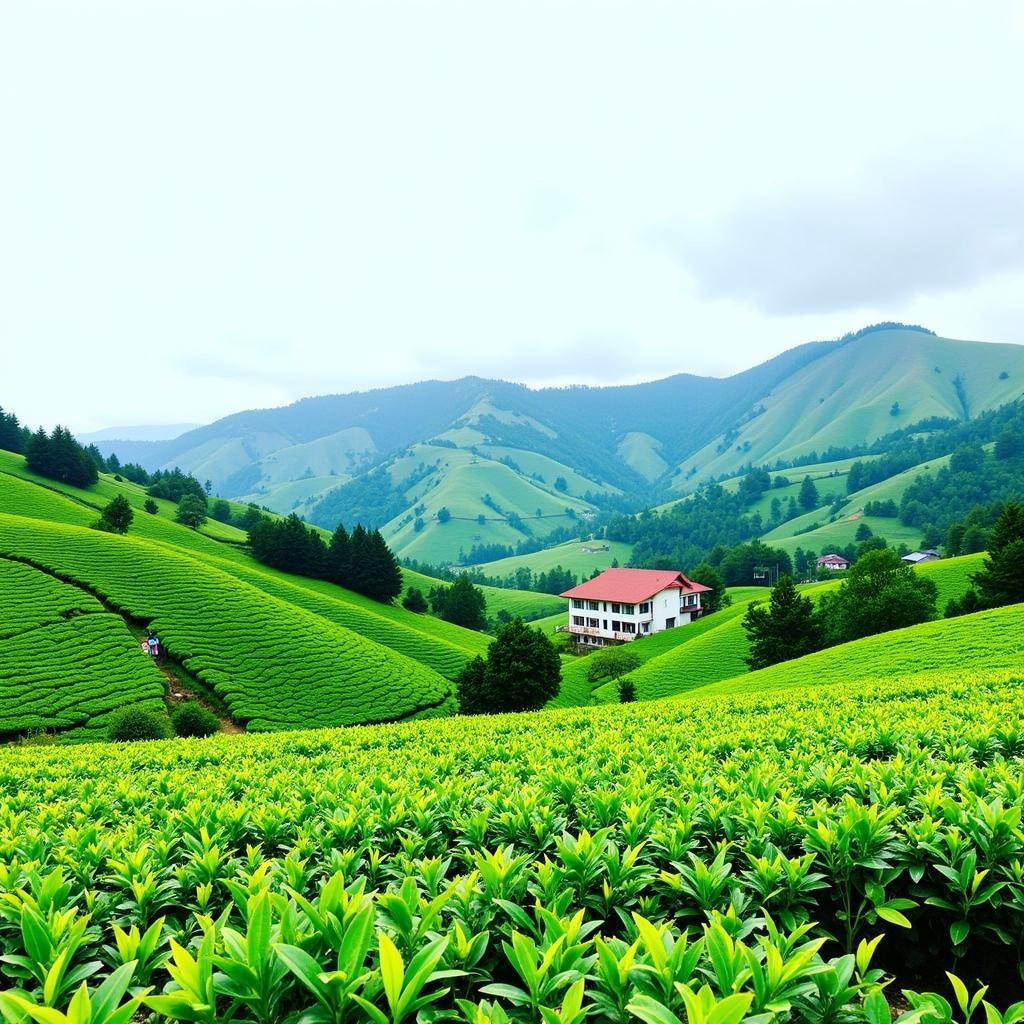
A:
{"x":209,"y":206}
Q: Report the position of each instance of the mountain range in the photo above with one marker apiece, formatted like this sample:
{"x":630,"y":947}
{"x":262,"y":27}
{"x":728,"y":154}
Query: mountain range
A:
{"x":443,"y":466}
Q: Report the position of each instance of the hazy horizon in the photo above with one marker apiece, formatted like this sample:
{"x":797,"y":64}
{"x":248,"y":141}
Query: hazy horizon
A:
{"x":230,"y":205}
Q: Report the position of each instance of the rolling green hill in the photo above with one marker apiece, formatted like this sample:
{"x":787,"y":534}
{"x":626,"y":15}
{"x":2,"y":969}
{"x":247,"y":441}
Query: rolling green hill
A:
{"x":278,"y":650}
{"x":713,"y":648}
{"x":579,"y":557}
{"x":848,"y":398}
{"x":988,"y":643}
{"x":490,"y":453}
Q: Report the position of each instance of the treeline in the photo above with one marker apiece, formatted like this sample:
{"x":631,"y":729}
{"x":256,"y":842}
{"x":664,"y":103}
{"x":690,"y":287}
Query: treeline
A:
{"x":361,"y":561}
{"x":879,"y":594}
{"x":59,"y":456}
{"x":13,"y":436}
{"x":1001,"y":579}
{"x":936,"y":501}
{"x":686,"y":532}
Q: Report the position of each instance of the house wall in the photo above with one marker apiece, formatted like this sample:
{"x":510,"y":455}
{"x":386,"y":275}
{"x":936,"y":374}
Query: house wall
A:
{"x":664,"y":605}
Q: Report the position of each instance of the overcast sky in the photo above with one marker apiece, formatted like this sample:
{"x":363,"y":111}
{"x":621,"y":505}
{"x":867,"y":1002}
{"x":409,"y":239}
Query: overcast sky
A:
{"x":209,"y":205}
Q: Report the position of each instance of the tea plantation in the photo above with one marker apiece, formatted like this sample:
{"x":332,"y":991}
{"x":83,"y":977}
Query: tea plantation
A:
{"x":769,"y":856}
{"x":64,"y":662}
{"x":273,"y":664}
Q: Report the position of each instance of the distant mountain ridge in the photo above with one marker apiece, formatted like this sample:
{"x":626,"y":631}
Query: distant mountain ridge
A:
{"x":142,"y":432}
{"x":445,"y":465}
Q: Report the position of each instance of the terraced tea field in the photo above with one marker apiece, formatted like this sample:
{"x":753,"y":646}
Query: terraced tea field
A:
{"x":274,"y":665}
{"x":734,"y":853}
{"x":65,"y":663}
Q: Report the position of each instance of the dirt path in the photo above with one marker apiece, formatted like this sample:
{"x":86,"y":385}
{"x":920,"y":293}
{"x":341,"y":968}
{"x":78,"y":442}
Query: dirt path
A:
{"x":179,"y":691}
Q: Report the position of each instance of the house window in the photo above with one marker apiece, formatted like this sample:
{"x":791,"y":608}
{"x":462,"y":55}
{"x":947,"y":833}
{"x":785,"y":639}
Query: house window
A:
{"x":616,"y":626}
{"x":617,"y":609}
{"x":592,"y":606}
{"x":577,"y":620}
{"x":670,"y":622}
{"x":645,"y":608}
{"x":645,"y":626}
{"x":629,"y":627}
{"x":593,"y":623}
{"x":627,"y":609}
{"x":577,"y":603}
{"x":605,"y":626}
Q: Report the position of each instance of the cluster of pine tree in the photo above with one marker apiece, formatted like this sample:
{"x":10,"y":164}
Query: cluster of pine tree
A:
{"x":60,"y":457}
{"x":361,"y":561}
{"x":880,"y":593}
{"x":13,"y":436}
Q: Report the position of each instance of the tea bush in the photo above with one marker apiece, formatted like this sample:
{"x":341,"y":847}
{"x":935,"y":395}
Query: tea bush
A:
{"x":192,"y":719}
{"x":713,"y":858}
{"x":139,"y":724}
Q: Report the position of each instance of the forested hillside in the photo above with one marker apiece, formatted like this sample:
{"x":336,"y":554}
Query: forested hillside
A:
{"x":472,"y":470}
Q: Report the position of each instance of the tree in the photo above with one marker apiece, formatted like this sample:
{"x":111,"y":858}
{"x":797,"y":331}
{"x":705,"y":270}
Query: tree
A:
{"x":522,"y":673}
{"x":561,"y":484}
{"x":717,"y":598}
{"x":221,"y":511}
{"x":60,"y":457}
{"x":627,"y":690}
{"x":612,"y":663}
{"x":1001,"y":578}
{"x":787,"y":628}
{"x":462,"y":604}
{"x":117,"y":516}
{"x":863,"y":532}
{"x":808,"y":494}
{"x":191,"y":511}
{"x":151,"y":507}
{"x":880,"y":593}
{"x":414,"y":601}
{"x":381,"y":569}
{"x":443,"y":515}
{"x":967,"y":458}
{"x":339,"y":557}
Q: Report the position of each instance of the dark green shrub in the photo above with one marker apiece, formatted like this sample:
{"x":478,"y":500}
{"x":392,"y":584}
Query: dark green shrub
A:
{"x":139,"y":724}
{"x":627,"y":690}
{"x":192,"y":719}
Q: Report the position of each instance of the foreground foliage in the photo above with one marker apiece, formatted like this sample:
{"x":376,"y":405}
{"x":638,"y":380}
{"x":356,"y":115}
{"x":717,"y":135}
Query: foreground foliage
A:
{"x":713,"y":860}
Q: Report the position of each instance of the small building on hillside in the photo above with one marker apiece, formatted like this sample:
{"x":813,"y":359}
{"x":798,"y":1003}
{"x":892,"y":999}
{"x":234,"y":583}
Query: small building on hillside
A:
{"x":620,"y":605}
{"x":833,"y":562}
{"x":916,"y":557}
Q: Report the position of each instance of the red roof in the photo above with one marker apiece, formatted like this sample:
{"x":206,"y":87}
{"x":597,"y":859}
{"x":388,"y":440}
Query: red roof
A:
{"x":631,"y":586}
{"x":832,"y":560}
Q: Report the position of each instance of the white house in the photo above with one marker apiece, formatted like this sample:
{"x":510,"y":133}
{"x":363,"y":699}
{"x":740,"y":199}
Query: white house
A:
{"x":623,"y":604}
{"x":833,"y":562}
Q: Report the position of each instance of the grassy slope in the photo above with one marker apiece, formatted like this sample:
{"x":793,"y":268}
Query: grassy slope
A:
{"x":989,"y":642}
{"x":523,"y":604}
{"x":843,"y":530}
{"x":440,"y":645}
{"x":713,"y":648}
{"x":569,"y":556}
{"x":460,"y":483}
{"x":274,"y":664}
{"x":845,"y":397}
